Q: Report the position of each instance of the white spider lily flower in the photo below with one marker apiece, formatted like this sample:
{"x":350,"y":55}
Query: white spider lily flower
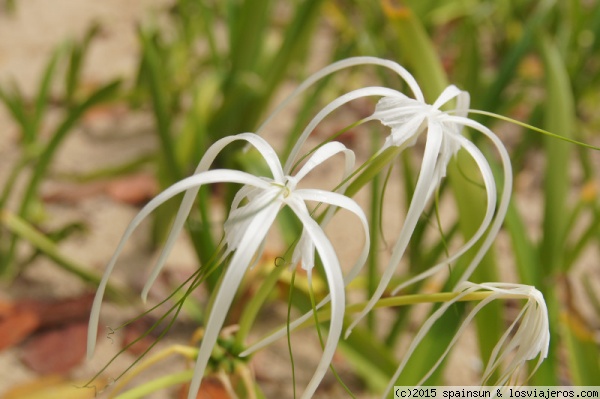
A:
{"x":527,"y":338}
{"x":408,"y":119}
{"x":245,"y":231}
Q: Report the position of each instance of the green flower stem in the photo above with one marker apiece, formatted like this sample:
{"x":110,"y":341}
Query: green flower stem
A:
{"x":566,"y":137}
{"x":255,"y":304}
{"x":185,"y":351}
{"x":405,"y":300}
{"x":160,"y":383}
{"x":371,"y":169}
{"x":375,"y":224}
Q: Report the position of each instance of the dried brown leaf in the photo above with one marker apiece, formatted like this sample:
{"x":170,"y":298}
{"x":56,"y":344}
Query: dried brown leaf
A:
{"x":17,"y":326}
{"x":56,"y":351}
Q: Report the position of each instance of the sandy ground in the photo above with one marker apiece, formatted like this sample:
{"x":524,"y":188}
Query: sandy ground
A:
{"x":27,"y":38}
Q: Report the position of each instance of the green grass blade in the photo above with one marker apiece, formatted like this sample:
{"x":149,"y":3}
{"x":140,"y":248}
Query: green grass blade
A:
{"x":559,"y":116}
{"x":155,"y":79}
{"x":15,"y":103}
{"x":26,"y":231}
{"x":43,"y":94}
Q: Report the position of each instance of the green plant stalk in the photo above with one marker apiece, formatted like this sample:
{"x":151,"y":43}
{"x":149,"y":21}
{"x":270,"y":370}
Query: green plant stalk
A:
{"x":128,"y":167}
{"x":21,"y":228}
{"x":155,"y":75}
{"x":184,"y":351}
{"x":525,"y":251}
{"x":15,"y":104}
{"x":324,"y":313}
{"x":374,"y":225}
{"x":289,"y":335}
{"x":207,"y":30}
{"x":470,"y":200}
{"x":157,"y":384}
{"x":372,"y":169}
{"x":253,"y":307}
{"x":584,"y":239}
{"x":78,"y":53}
{"x":297,"y":35}
{"x":16,"y":170}
{"x":169,"y":169}
{"x":558,"y":117}
{"x":42,"y":98}
{"x":469,"y":65}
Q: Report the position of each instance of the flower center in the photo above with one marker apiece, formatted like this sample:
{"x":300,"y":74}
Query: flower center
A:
{"x":290,"y":185}
{"x":287,"y":187}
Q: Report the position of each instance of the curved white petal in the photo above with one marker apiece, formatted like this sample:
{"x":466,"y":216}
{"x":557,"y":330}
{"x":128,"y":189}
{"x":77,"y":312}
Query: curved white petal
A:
{"x":531,"y":339}
{"x":347,"y":63}
{"x":341,"y":201}
{"x":448,"y":94}
{"x":329,"y":108}
{"x":504,"y":198}
{"x":417,"y":205}
{"x":187,"y":202}
{"x":246,"y":192}
{"x":490,"y":186}
{"x":305,"y":252}
{"x":265,"y":149}
{"x":336,"y":200}
{"x":240,"y":218}
{"x":305,"y":249}
{"x":249,"y":244}
{"x":335,"y":280}
{"x":212,"y":176}
{"x":321,"y":155}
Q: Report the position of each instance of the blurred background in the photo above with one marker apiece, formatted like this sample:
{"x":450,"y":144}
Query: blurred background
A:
{"x":103,"y":104}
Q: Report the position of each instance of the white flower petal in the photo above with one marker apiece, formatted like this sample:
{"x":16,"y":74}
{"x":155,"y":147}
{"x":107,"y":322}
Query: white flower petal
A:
{"x":488,"y":180}
{"x":417,"y":205}
{"x":335,"y":280}
{"x":504,"y":198}
{"x":240,"y":218}
{"x":347,"y":63}
{"x":329,"y":108}
{"x":249,"y":244}
{"x":212,"y":176}
{"x":340,"y":201}
{"x":188,"y":199}
{"x":321,"y":155}
{"x":305,"y":249}
{"x":305,"y":252}
{"x":531,"y":339}
{"x":448,"y":94}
